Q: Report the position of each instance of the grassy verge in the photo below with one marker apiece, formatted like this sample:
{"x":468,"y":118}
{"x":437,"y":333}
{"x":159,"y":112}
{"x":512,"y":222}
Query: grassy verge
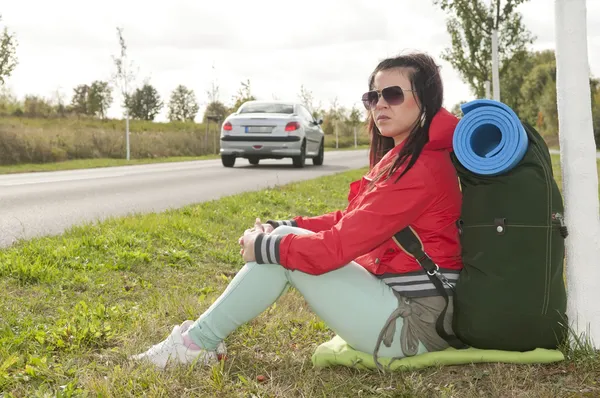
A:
{"x":36,"y":141}
{"x":103,"y":162}
{"x":348,"y":148}
{"x":74,"y":306}
{"x":93,"y":163}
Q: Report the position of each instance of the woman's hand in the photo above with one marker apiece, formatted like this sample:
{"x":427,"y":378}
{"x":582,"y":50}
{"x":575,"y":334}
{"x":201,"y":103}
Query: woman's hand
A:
{"x":268,"y":228}
{"x":247,"y":241}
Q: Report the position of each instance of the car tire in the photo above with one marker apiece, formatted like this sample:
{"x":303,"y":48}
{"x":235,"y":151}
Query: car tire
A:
{"x":253,"y":161}
{"x":300,"y":161}
{"x":228,"y":160}
{"x":318,"y":160}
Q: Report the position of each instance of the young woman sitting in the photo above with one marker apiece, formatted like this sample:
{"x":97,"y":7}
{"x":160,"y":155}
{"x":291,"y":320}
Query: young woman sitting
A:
{"x":346,"y":264}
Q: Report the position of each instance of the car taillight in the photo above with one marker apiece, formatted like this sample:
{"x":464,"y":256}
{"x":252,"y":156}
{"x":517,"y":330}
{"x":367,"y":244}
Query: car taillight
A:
{"x":227,"y":126}
{"x":292,"y":126}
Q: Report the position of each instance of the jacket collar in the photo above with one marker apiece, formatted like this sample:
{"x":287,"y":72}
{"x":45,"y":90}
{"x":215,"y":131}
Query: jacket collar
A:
{"x":441,"y":132}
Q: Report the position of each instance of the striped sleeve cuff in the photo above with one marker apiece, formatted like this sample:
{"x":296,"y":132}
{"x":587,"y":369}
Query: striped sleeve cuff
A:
{"x":266,"y":248}
{"x":279,"y":223}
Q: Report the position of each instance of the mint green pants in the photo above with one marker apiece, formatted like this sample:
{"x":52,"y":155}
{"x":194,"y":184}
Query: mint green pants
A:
{"x":350,"y":300}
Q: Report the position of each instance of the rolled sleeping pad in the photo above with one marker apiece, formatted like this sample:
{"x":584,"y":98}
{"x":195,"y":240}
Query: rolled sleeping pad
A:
{"x":489,"y":139}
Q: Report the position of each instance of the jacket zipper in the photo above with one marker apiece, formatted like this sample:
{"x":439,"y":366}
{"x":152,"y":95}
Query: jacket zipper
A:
{"x":510,"y":226}
{"x":556,"y":224}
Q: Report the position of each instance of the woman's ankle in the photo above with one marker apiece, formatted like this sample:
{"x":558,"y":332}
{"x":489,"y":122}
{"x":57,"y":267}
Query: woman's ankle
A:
{"x":188,"y":342}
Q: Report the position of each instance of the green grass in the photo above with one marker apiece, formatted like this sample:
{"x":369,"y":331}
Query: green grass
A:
{"x":74,"y":123}
{"x":103,"y":162}
{"x":348,"y":148}
{"x":55,"y":140}
{"x":73,"y":307}
{"x":93,"y":163}
{"x":558,"y":171}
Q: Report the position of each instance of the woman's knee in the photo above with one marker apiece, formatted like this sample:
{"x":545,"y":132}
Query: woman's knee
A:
{"x":288,"y":230}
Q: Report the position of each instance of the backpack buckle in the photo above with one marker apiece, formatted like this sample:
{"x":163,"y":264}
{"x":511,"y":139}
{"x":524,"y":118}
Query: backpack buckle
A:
{"x":436,"y":272}
{"x":433,"y":271}
{"x":444,"y":280}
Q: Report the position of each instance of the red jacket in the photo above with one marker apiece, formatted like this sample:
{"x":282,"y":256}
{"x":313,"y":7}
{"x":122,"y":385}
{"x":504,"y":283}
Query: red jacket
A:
{"x":427,"y":197}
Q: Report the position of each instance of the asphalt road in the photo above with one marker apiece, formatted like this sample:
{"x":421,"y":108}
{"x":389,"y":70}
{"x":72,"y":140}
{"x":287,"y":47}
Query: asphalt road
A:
{"x":33,"y":204}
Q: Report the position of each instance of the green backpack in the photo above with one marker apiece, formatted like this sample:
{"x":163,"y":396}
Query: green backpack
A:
{"x":511,"y":292}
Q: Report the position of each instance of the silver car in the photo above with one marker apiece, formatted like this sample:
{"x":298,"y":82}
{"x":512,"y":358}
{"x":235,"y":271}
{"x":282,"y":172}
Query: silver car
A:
{"x":272,"y":129}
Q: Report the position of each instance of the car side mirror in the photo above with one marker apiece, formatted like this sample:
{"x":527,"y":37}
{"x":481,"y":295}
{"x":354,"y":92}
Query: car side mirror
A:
{"x":319,"y":121}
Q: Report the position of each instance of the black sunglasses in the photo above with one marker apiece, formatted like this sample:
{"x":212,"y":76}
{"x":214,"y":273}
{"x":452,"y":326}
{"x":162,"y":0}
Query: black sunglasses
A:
{"x":393,"y":95}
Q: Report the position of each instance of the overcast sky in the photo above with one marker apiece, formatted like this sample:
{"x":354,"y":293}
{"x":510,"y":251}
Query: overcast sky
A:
{"x":330,"y":46}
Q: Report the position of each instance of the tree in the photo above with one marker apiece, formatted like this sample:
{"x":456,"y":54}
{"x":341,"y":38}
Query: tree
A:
{"x":99,"y":99}
{"x":354,"y":121}
{"x":307,"y":99}
{"x":145,"y":103}
{"x":470,"y":26}
{"x":214,"y":92}
{"x":8,"y":54}
{"x":215,"y":107}
{"x":334,"y":119}
{"x":512,"y":79}
{"x":596,"y":115}
{"x":92,"y":100}
{"x":244,"y":94}
{"x":79,"y":102}
{"x":538,"y":100}
{"x":456,"y":110}
{"x":123,"y":78}
{"x":9,"y":104}
{"x":36,"y":106}
{"x":355,"y":116}
{"x":182,"y":104}
{"x":58,"y":102}
{"x":538,"y":94}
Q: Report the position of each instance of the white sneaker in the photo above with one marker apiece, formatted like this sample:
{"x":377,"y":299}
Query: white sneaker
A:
{"x":172,"y":349}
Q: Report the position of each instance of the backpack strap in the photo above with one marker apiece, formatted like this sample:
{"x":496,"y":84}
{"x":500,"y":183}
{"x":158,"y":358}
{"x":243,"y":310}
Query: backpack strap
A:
{"x":409,"y":241}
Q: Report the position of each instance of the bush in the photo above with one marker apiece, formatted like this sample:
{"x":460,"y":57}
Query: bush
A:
{"x":52,"y":140}
{"x":46,"y":140}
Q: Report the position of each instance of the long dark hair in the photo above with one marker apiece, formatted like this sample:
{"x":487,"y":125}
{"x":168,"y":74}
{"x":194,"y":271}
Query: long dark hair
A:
{"x":425,"y":79}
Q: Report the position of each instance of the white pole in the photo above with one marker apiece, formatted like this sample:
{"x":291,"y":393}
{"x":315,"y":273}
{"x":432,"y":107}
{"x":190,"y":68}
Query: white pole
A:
{"x":127,"y":132}
{"x":578,"y":162}
{"x":488,"y":90}
{"x":495,"y":67}
{"x":126,"y":111}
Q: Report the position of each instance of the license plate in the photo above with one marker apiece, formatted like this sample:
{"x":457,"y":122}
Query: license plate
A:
{"x":259,"y":129}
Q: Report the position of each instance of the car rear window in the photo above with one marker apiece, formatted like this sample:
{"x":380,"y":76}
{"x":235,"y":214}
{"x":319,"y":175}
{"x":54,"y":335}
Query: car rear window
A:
{"x":267,"y":108}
